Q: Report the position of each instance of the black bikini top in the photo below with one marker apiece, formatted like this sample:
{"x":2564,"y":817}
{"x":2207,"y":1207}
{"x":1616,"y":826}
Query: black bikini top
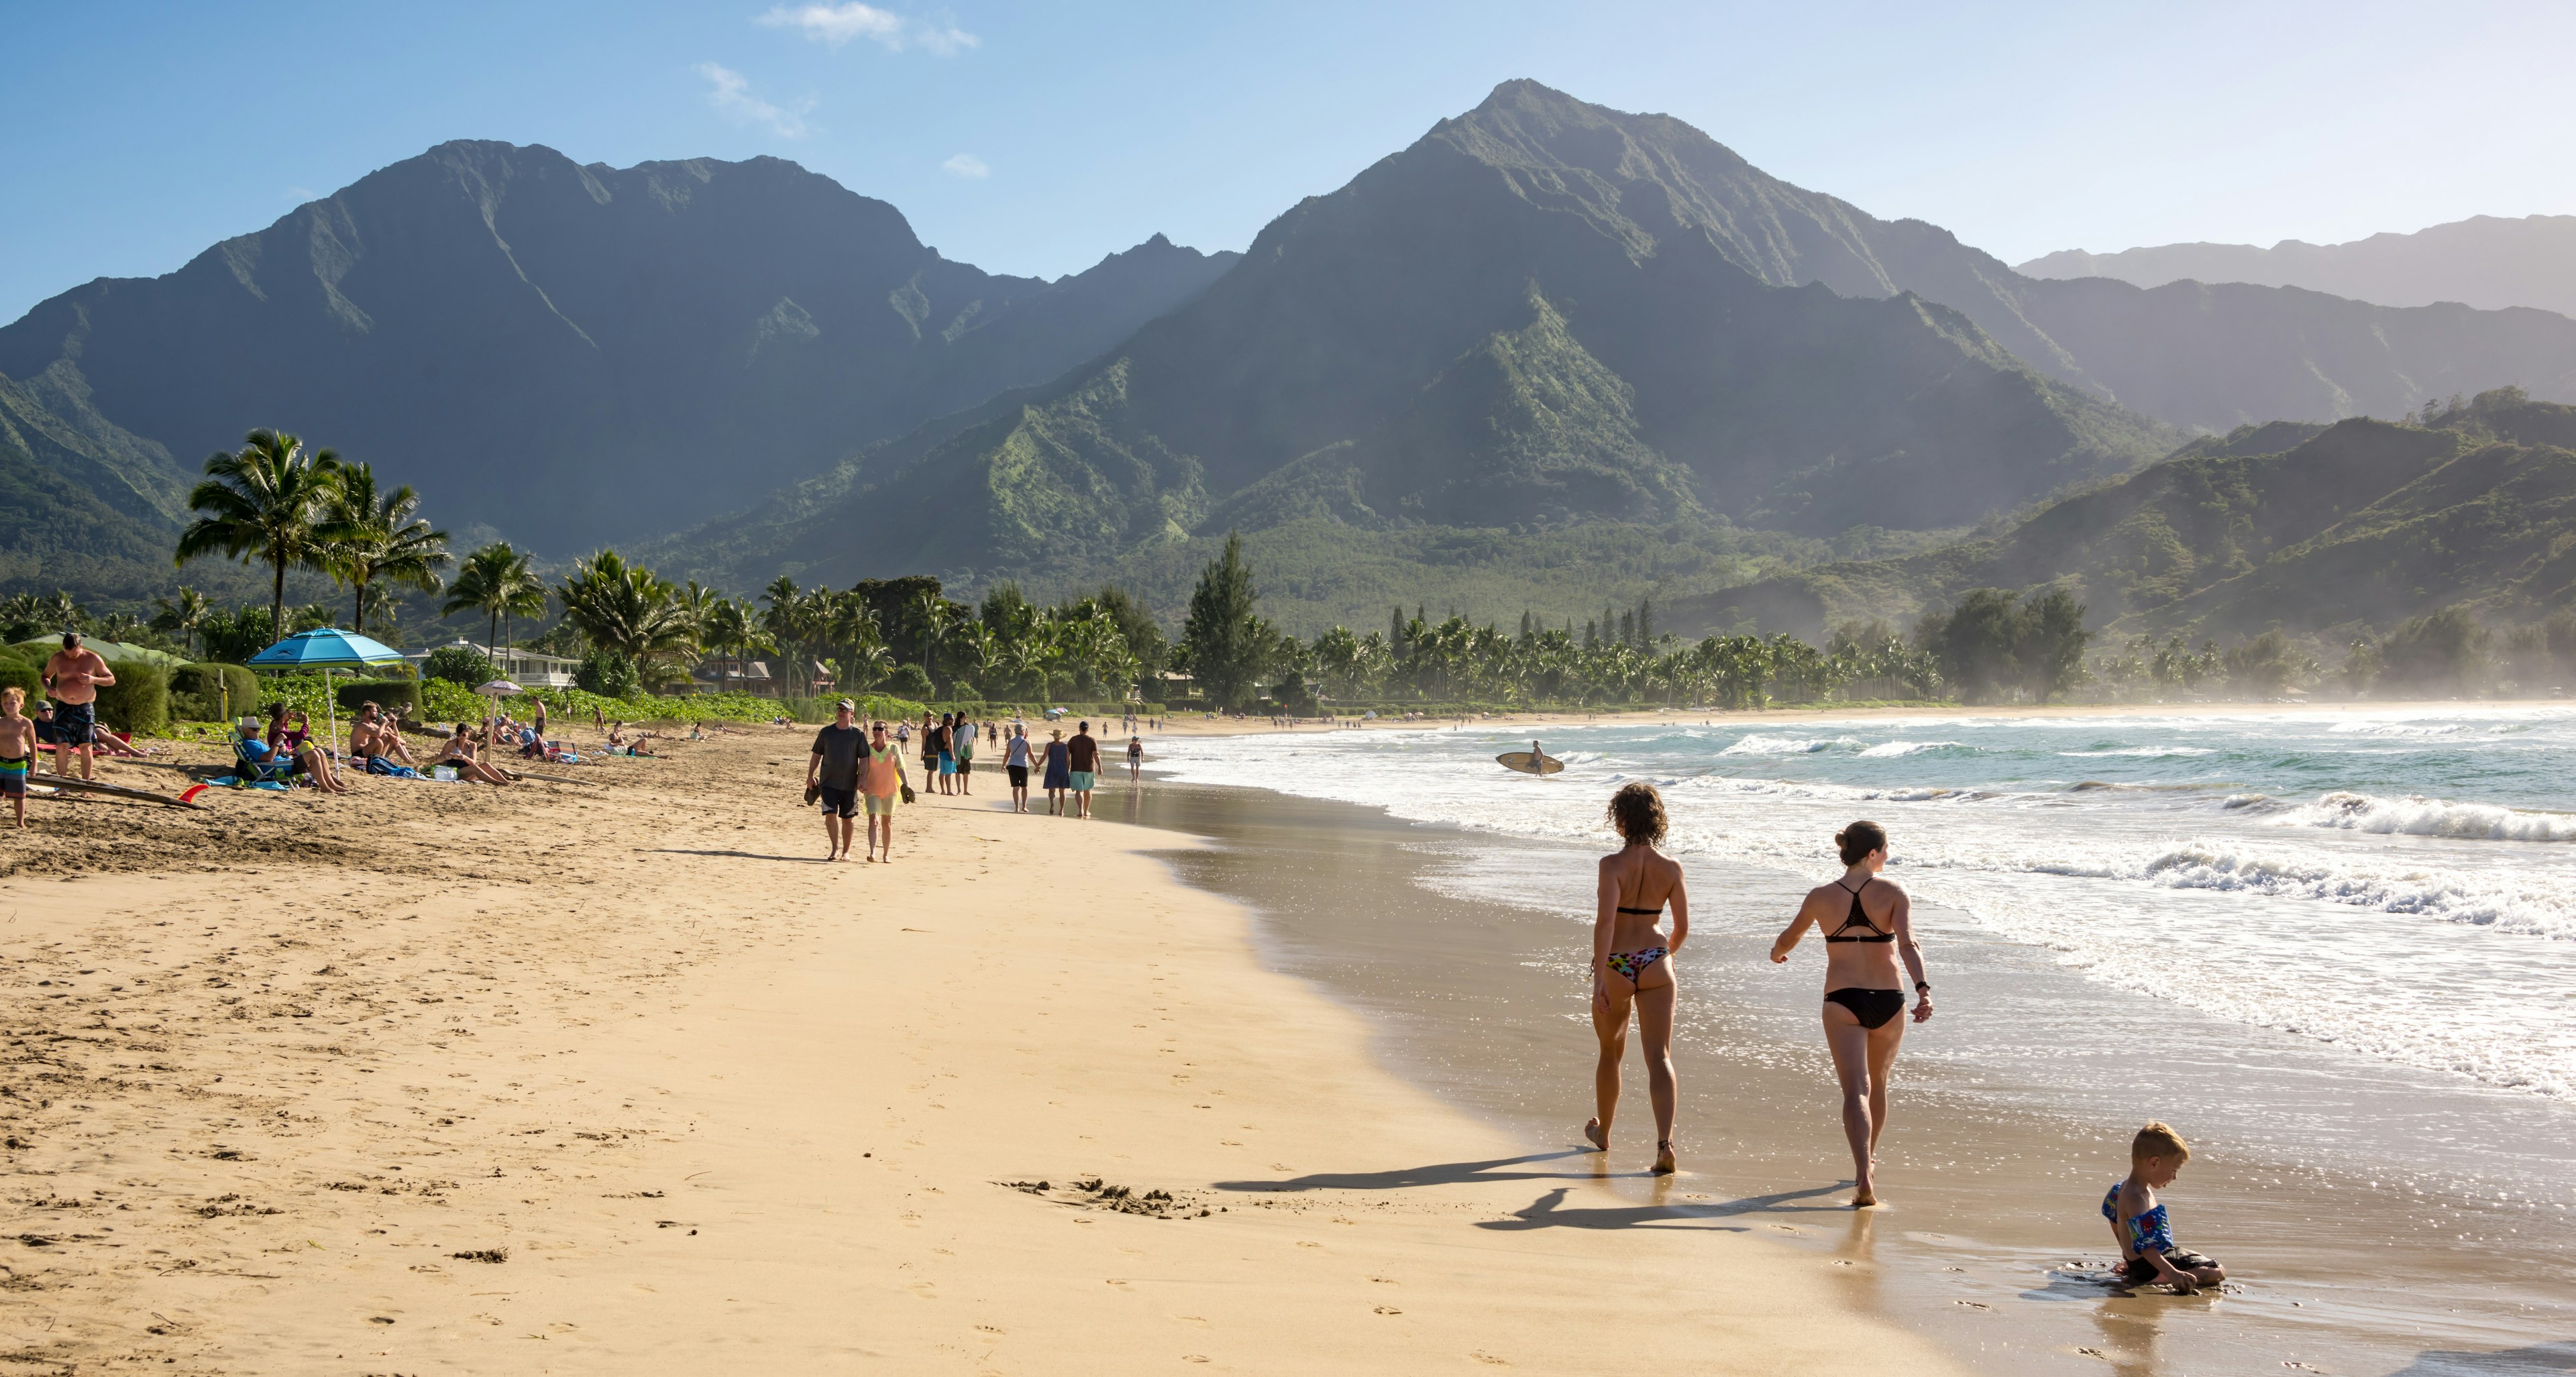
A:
{"x":1656,"y":912}
{"x":1860,"y":917}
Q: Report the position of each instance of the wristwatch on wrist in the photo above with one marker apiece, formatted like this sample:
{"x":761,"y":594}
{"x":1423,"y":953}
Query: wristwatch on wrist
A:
{"x":1922,"y":988}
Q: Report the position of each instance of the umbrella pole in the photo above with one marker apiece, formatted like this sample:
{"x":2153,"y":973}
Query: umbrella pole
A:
{"x":330,"y":713}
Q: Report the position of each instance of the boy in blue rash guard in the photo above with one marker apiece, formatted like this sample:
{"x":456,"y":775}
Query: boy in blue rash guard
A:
{"x":2138,"y":1222}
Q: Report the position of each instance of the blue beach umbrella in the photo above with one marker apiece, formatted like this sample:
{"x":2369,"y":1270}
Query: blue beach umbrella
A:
{"x":326,"y":650}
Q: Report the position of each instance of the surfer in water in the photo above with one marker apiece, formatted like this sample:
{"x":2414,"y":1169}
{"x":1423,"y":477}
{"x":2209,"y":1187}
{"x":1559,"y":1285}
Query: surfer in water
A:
{"x":1868,"y":925}
{"x":1632,"y":964}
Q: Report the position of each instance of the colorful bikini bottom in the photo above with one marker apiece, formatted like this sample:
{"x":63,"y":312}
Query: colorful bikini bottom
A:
{"x":1631,"y":964}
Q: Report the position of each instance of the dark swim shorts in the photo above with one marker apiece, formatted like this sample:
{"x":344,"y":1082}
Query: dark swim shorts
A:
{"x":840,"y":803}
{"x":1019,"y":776}
{"x":75,"y":724}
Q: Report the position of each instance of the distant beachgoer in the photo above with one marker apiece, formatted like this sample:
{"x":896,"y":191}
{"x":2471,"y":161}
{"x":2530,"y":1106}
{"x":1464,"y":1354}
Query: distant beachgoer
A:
{"x":1862,"y":997}
{"x":881,"y":780}
{"x":2138,"y":1222}
{"x":929,"y":751}
{"x":833,"y":772}
{"x":1059,"y":776}
{"x":1135,"y":759}
{"x":964,"y":750}
{"x":1632,"y":964}
{"x":17,"y":750}
{"x":73,"y":676}
{"x":1082,"y":757}
{"x":1015,"y":758}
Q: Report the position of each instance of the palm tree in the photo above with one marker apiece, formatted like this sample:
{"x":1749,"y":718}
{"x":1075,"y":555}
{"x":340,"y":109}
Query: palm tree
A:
{"x":265,"y":503}
{"x":495,"y":580}
{"x":626,"y":608}
{"x":183,"y":615}
{"x":931,"y":617}
{"x":377,"y":540}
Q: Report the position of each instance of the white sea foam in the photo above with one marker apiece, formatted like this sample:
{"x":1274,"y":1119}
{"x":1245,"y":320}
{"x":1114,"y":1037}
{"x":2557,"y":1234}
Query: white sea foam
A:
{"x":2386,"y":922}
{"x":2433,"y":817}
{"x":1891,"y":749}
{"x":1761,"y":743}
{"x":2143,"y":752}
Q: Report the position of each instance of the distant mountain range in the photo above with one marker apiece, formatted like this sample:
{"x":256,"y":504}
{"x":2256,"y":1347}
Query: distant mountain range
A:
{"x":1546,"y":352}
{"x":2290,"y":525}
{"x":577,"y":354}
{"x":2485,"y":261}
{"x":1547,"y":312}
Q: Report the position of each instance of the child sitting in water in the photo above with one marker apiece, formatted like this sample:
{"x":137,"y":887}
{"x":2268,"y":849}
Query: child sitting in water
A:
{"x":2147,"y":1251}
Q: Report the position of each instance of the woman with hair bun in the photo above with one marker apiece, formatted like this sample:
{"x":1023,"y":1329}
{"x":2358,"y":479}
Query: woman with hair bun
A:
{"x":1632,"y":964}
{"x":1872,"y":925}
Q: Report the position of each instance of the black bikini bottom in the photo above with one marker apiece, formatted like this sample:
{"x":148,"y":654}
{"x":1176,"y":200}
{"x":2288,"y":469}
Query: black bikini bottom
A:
{"x":1872,"y":1007}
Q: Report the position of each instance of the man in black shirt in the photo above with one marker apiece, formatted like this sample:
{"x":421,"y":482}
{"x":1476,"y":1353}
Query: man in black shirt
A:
{"x":832,"y":775}
{"x":1082,"y":754}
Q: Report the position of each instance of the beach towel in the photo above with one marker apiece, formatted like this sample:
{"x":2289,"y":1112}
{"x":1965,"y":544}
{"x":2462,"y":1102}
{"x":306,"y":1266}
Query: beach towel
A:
{"x":379,"y":765}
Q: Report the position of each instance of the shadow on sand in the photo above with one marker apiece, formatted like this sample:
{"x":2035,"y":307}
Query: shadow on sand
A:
{"x":1549,"y":1210}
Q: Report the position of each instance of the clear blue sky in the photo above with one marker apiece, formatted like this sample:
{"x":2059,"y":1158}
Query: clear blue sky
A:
{"x":1036,"y":137}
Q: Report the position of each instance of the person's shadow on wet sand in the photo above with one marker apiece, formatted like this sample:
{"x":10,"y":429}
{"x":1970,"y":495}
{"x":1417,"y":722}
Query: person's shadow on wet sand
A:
{"x":1437,"y":1174}
{"x":2531,"y":1361}
{"x":1549,"y":1212}
{"x":739,"y":856}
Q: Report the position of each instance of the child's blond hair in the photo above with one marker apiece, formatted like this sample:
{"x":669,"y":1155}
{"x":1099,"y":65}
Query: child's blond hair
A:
{"x":12,"y":698}
{"x":2158,"y":1140}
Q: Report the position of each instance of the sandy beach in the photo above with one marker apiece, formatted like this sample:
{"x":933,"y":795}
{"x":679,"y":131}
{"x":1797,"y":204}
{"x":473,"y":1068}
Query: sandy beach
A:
{"x":617,"y":1076}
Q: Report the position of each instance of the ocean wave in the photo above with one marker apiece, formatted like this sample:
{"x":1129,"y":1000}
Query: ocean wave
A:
{"x":1890,"y":749}
{"x":2143,"y":752}
{"x":2417,"y":816}
{"x":1761,"y":743}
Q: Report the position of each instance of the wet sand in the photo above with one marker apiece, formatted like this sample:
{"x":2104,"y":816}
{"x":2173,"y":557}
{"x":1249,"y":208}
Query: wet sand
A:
{"x":618,"y":1077}
{"x":2383,"y":1248}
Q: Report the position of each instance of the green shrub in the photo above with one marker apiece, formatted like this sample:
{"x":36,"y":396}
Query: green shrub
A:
{"x":609,"y":674}
{"x":458,"y":665}
{"x":26,"y":676}
{"x":139,"y":700}
{"x":389,"y":693}
{"x":910,"y":681}
{"x":198,"y":692}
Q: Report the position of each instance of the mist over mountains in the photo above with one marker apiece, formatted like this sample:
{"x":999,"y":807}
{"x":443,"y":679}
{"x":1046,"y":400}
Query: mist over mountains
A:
{"x":1547,"y":349}
{"x":2484,"y":261}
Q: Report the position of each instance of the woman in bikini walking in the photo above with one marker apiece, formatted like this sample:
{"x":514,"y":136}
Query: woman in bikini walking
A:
{"x":1632,"y":964}
{"x":1868,"y":925}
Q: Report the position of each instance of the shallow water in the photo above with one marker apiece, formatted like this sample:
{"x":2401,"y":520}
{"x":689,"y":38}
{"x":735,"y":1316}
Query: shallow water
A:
{"x":2407,"y":1108}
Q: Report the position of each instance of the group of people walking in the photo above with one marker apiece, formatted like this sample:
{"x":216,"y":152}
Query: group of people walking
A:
{"x":1868,"y":928}
{"x":850,"y":768}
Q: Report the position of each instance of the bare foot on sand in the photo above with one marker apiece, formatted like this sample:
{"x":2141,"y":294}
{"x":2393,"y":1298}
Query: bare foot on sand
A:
{"x":1864,"y":1200}
{"x":1596,"y":1135}
{"x":1664,"y":1163}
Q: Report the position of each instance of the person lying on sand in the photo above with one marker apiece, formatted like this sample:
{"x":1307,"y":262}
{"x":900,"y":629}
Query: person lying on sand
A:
{"x":459,"y":752}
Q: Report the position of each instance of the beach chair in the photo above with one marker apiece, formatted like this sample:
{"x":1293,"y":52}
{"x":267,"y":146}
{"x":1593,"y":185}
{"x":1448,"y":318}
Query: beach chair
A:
{"x":258,"y":773}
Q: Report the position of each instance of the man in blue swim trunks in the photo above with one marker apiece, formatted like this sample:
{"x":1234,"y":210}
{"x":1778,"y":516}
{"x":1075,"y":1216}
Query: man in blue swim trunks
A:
{"x":73,"y":678}
{"x":1082,"y":755}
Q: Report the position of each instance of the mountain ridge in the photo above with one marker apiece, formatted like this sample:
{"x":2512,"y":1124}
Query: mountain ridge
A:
{"x":2485,"y":261}
{"x":556,"y":348}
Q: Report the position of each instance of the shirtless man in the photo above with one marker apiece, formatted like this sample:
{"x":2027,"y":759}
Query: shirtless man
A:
{"x":17,"y":750}
{"x":73,"y":677}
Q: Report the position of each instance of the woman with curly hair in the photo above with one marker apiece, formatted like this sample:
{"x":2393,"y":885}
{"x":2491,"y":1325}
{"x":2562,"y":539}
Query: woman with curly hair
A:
{"x":1632,"y":964}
